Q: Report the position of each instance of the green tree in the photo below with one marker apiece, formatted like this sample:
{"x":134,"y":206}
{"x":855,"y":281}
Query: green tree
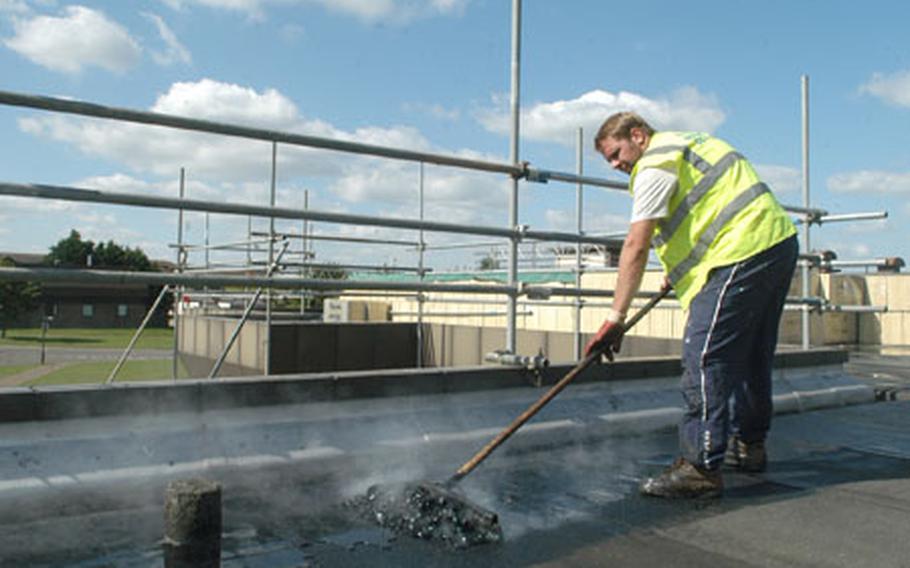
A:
{"x":16,"y":298}
{"x":488,"y":263}
{"x":73,"y":252}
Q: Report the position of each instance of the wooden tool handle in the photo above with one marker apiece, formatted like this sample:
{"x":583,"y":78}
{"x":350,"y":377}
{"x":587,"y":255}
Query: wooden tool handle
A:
{"x":549,"y":395}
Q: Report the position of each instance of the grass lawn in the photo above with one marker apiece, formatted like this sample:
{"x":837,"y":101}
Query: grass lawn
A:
{"x":152,"y":338}
{"x":98,"y":371}
{"x":13,"y":369}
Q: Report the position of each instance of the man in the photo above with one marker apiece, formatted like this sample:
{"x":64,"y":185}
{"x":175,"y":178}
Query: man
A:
{"x":729,"y":251}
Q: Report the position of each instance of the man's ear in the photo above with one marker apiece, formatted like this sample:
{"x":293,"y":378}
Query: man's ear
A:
{"x":638,"y":136}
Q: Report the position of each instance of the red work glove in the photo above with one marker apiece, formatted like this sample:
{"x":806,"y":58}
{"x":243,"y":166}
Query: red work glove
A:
{"x":608,"y":338}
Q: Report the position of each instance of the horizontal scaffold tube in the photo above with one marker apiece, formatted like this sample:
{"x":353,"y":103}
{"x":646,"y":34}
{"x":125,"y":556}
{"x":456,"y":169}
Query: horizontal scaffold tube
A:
{"x":116,"y":198}
{"x":183,"y":123}
{"x":82,"y":108}
{"x":82,"y":275}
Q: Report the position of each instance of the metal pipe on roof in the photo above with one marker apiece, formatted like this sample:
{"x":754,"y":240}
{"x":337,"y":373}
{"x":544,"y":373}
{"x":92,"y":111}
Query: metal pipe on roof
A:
{"x":421,"y":254}
{"x":855,"y":308}
{"x":82,"y":108}
{"x":109,"y":197}
{"x":514,"y":157}
{"x":813,"y":213}
{"x":365,"y":240}
{"x":246,"y":314}
{"x":235,"y":245}
{"x":365,"y":267}
{"x":579,"y":225}
{"x":870,"y":216}
{"x":460,"y":314}
{"x":19,"y":274}
{"x":273,"y":262}
{"x":154,"y":118}
{"x":806,"y":233}
{"x":160,"y":278}
{"x":877,"y":262}
{"x":181,"y":263}
{"x":165,"y":290}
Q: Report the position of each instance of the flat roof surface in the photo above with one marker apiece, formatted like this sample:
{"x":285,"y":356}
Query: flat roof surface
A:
{"x":837,"y":492}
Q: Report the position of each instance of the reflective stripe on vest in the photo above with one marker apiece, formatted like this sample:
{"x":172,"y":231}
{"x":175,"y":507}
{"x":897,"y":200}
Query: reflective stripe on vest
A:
{"x":719,"y":213}
{"x":712,"y":174}
{"x":707,"y":237}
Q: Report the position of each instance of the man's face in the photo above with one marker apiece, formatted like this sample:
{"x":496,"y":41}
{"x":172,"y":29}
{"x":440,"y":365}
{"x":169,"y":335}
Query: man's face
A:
{"x":623,"y":153}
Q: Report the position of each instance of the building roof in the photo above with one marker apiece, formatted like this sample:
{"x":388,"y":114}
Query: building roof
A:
{"x":24,"y":259}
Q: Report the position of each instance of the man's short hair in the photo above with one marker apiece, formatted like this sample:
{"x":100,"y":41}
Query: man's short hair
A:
{"x":619,"y":126}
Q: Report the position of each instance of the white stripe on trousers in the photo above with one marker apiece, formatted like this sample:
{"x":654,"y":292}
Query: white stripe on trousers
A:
{"x":704,"y":351}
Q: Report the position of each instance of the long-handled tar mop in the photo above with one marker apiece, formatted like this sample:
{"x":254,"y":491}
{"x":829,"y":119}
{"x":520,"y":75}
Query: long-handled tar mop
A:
{"x":434,"y":511}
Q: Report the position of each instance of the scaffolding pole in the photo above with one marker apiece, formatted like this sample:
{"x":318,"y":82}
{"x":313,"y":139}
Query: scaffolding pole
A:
{"x":246,"y":314}
{"x":511,"y":318}
{"x":181,"y":262}
{"x":135,"y":338}
{"x":421,"y":251}
{"x":806,"y":339}
{"x":579,"y":226}
{"x":118,"y":198}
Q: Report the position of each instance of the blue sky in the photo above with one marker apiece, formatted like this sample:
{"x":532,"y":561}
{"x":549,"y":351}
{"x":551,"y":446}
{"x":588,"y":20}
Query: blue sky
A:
{"x":434,"y":75}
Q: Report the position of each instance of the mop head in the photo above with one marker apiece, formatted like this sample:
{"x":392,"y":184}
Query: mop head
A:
{"x":432,"y":512}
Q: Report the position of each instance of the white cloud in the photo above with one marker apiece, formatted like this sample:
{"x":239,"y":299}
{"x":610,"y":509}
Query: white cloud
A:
{"x":368,"y":11}
{"x":892,"y":88}
{"x":124,"y":183}
{"x":175,"y":51}
{"x":596,"y":221}
{"x":781,"y":179}
{"x":213,"y":100}
{"x":558,"y":121}
{"x":451,"y":196}
{"x":80,"y":38}
{"x":394,"y":11}
{"x":870,"y":181}
{"x":239,"y":170}
{"x":164,"y":151}
{"x":251,"y":7}
{"x":434,"y":110}
{"x":13,"y":7}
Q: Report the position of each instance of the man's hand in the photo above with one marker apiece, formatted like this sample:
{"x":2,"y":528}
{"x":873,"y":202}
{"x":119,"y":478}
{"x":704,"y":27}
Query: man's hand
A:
{"x":608,"y":338}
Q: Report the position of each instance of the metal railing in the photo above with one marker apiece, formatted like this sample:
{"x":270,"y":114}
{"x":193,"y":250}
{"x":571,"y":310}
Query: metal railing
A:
{"x":513,"y":234}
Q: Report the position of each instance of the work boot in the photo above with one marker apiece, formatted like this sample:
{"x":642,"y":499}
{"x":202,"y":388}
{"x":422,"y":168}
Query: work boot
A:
{"x":749,"y":457}
{"x":683,"y":480}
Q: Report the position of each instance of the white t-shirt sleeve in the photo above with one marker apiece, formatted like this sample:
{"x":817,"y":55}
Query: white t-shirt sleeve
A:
{"x":651,"y":194}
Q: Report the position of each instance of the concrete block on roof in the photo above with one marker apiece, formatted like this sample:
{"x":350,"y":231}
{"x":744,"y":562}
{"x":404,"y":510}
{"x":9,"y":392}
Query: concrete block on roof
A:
{"x":847,"y":289}
{"x":895,"y":328}
{"x":837,"y":328}
{"x":877,"y":288}
{"x":870,"y":329}
{"x":790,"y":330}
{"x":898,"y":292}
{"x":248,"y":347}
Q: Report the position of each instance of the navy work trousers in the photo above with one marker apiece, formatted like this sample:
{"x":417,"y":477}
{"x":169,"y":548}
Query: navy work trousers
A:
{"x":728,"y":350}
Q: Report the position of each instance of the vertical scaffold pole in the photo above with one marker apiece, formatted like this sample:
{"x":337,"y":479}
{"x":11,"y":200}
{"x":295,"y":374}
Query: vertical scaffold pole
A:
{"x":806,"y":242}
{"x":178,"y":294}
{"x":421,"y":248}
{"x":511,"y":317}
{"x":268,"y":294}
{"x":304,"y":271}
{"x":579,"y":226}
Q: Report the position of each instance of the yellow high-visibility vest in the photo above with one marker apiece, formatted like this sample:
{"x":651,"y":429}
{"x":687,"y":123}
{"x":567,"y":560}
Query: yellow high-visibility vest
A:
{"x":719,"y":214}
